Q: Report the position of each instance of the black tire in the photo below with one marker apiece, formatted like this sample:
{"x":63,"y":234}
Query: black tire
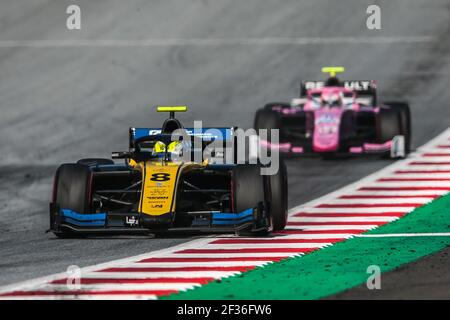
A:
{"x":95,"y":161}
{"x":405,"y":121}
{"x":248,"y":192}
{"x":388,"y":124}
{"x":279,"y":198}
{"x":267,"y":119}
{"x":248,"y":187}
{"x":72,"y":188}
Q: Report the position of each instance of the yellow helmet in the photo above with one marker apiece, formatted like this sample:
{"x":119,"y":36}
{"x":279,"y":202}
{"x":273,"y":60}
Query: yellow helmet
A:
{"x":160,"y":147}
{"x":174,"y":146}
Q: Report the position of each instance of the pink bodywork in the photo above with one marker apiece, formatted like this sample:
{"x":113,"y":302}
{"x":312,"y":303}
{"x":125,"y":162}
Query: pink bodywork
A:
{"x":327,"y":120}
{"x":326,"y":129}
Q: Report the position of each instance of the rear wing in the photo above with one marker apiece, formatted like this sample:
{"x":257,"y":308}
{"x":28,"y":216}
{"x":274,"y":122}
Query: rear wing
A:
{"x":366,"y":90}
{"x":206,"y":134}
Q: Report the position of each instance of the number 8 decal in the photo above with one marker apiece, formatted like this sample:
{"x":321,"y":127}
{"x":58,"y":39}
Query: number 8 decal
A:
{"x":160,"y":177}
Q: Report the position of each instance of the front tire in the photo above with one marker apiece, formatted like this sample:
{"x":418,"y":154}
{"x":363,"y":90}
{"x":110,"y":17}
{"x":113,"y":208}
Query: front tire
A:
{"x":405,"y":121}
{"x":72,"y":191}
{"x":248,"y":189}
{"x":279,"y":198}
{"x":388,"y":124}
{"x":267,"y":119}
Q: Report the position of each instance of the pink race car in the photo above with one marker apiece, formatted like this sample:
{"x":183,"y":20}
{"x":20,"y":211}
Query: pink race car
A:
{"x":333,"y":117}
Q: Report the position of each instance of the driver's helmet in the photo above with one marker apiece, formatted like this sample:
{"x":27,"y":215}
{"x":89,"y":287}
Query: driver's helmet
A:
{"x":175,"y":147}
{"x":330,"y":99}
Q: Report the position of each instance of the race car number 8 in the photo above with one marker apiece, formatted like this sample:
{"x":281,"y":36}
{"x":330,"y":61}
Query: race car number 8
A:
{"x":160,"y":177}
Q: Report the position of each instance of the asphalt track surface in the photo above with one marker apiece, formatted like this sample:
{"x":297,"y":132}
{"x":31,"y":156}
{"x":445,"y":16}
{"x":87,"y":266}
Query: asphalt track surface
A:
{"x":65,"y":99}
{"x":426,"y":278}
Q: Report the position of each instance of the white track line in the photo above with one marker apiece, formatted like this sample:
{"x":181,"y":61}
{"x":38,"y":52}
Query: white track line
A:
{"x":427,"y":167}
{"x":438,"y":156}
{"x":399,"y":184}
{"x":234,"y":255}
{"x":295,"y":236}
{"x":156,"y":275}
{"x":423,"y":174}
{"x":429,"y":162}
{"x":399,"y":193}
{"x":334,"y":227}
{"x":389,"y":235}
{"x":358,"y":210}
{"x":345,"y":219}
{"x":380,"y":201}
{"x":87,"y":297}
{"x":201,"y":264}
{"x":122,"y":286}
{"x":267,"y":245}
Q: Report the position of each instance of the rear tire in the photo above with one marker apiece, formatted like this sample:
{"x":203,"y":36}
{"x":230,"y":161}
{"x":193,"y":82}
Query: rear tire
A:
{"x":73,"y":184}
{"x":279,"y":198}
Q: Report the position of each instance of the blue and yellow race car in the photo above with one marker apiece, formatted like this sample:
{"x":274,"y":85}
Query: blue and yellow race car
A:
{"x":155,"y":190}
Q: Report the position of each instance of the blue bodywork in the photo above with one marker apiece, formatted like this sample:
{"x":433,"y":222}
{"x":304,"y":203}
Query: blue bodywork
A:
{"x":219,"y":218}
{"x":99,"y":219}
{"x":84,"y":220}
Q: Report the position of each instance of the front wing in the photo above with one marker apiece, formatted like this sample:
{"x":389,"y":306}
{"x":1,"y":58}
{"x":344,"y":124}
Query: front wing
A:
{"x":395,"y":148}
{"x":64,"y":220}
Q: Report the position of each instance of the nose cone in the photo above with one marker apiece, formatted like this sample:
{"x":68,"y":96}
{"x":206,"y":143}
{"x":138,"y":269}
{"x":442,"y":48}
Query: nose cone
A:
{"x":326,"y":130}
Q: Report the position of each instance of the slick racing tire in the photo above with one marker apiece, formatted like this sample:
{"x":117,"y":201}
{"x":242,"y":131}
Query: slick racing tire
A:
{"x":279,"y":197}
{"x":72,"y":187}
{"x":267,"y":119}
{"x":95,"y":161}
{"x":405,"y":121}
{"x":247,"y":187}
{"x":388,"y":124}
